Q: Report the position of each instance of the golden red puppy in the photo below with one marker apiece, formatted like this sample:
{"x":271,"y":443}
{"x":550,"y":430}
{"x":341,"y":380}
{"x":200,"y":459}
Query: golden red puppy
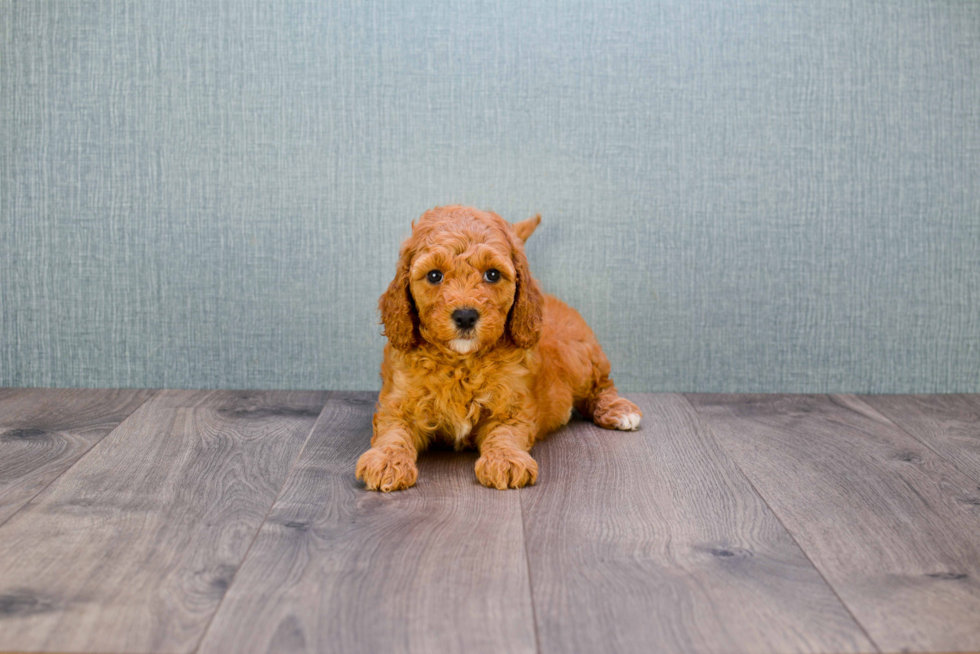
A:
{"x":478,"y":356}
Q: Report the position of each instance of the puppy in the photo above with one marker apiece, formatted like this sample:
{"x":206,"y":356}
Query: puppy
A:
{"x":478,"y":356}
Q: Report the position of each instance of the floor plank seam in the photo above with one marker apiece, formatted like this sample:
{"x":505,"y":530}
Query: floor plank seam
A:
{"x":751,"y":483}
{"x":530,"y":584}
{"x":248,"y":550}
{"x":84,"y":454}
{"x":945,"y":457}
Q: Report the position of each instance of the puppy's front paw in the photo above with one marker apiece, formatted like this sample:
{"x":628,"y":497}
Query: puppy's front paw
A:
{"x":619,"y":414}
{"x":502,"y":469}
{"x":386,"y":469}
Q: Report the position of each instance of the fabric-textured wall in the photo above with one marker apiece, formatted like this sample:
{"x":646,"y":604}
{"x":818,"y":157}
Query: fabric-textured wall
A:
{"x":737,"y":195}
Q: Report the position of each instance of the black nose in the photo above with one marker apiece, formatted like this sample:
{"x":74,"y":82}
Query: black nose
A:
{"x":465,"y":318}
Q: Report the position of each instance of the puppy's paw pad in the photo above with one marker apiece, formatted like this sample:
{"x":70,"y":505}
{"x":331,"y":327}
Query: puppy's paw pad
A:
{"x":628,"y":422}
{"x":503,"y":469}
{"x":386,"y":469}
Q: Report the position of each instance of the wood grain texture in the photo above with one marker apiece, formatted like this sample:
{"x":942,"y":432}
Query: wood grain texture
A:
{"x":439,"y":567}
{"x":654,"y":541}
{"x":132,"y":549}
{"x":43,"y":431}
{"x":947,"y":424}
{"x":892,"y":526}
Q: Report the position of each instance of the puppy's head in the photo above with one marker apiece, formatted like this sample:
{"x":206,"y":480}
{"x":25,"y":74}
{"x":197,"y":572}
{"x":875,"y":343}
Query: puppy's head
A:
{"x":463,"y":283}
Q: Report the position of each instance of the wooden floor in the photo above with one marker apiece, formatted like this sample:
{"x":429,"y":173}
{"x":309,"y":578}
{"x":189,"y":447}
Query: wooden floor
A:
{"x":227,"y":521}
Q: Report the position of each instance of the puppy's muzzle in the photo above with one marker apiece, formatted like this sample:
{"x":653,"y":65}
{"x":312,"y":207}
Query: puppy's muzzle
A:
{"x":465,"y":318}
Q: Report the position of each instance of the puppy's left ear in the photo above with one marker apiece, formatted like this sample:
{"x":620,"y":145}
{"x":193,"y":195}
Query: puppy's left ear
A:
{"x":525,"y":228}
{"x":524,"y":321}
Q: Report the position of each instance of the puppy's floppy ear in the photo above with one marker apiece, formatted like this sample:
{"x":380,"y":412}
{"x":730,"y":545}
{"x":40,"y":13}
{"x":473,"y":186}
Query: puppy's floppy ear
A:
{"x":398,"y":312}
{"x":524,"y":321}
{"x":525,"y":228}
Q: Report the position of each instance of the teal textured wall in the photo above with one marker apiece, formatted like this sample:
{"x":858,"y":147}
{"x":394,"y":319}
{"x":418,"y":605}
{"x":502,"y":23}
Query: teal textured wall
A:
{"x":738,"y":195}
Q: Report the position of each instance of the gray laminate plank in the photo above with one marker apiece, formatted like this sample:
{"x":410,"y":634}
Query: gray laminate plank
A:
{"x":891,"y":525}
{"x":132,"y":549}
{"x":947,"y":424}
{"x":655,"y":541}
{"x":436,"y":568}
{"x":43,"y":431}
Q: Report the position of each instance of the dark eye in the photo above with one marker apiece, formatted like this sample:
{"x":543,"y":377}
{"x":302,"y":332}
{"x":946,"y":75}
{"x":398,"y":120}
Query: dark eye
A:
{"x":492,"y":275}
{"x":434,"y":276}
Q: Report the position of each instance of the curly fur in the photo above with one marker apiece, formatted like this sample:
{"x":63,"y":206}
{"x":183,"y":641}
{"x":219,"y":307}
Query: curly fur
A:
{"x":500,"y":387}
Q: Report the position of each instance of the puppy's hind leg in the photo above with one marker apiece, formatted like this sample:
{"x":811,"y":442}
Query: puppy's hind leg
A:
{"x":602,"y":402}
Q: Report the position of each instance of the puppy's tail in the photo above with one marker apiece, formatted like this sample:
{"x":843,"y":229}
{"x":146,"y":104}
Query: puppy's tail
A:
{"x":525,"y":228}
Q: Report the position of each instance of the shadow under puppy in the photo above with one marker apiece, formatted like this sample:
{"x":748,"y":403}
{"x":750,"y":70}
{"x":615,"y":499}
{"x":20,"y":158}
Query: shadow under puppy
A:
{"x":478,"y":356}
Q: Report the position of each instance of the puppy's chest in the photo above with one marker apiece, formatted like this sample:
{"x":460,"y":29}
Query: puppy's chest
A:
{"x":455,"y":400}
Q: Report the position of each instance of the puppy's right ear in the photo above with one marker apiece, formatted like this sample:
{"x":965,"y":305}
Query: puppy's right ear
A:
{"x":525,"y":228}
{"x":398,"y":313}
